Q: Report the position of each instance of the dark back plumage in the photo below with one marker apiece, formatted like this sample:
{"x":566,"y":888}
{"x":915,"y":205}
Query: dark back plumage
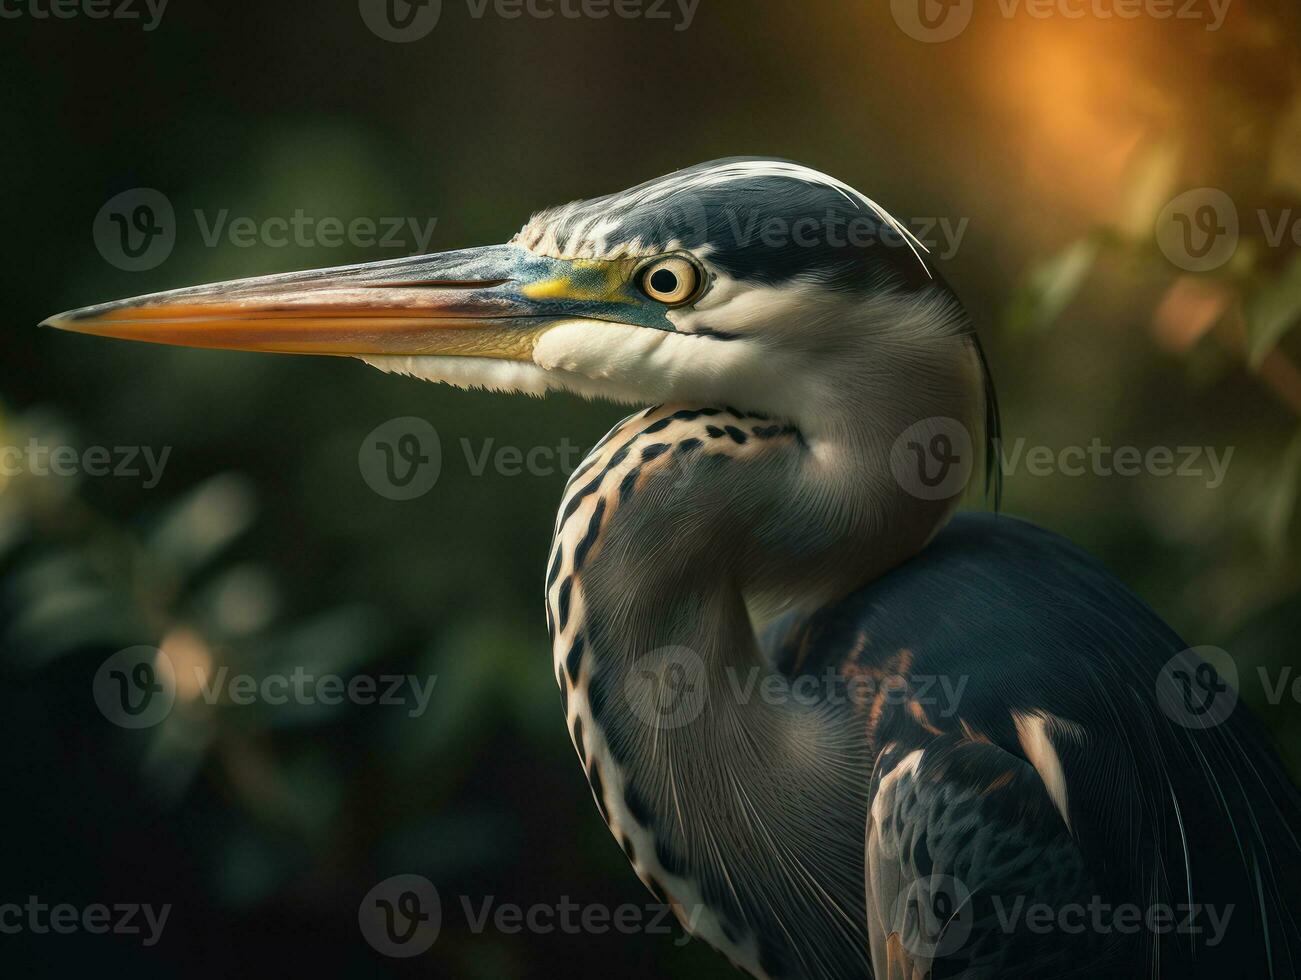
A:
{"x":1164,"y":814}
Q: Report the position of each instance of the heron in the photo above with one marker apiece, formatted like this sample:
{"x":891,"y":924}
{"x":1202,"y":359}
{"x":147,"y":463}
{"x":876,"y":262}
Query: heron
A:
{"x":843,"y":727}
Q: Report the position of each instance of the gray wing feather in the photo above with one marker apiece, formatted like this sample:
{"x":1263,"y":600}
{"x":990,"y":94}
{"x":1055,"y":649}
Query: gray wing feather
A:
{"x":964,"y":846}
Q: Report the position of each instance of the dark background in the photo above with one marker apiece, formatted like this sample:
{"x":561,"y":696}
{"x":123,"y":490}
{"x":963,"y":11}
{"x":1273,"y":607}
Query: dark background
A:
{"x":1054,"y":143}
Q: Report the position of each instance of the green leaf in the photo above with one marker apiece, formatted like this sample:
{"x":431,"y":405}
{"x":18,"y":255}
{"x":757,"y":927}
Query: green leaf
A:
{"x":1280,"y":501}
{"x":196,"y":528}
{"x":1148,"y":187}
{"x":1051,"y":286}
{"x":1272,"y":311}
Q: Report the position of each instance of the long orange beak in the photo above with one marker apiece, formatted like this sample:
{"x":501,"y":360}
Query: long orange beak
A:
{"x":485,"y":302}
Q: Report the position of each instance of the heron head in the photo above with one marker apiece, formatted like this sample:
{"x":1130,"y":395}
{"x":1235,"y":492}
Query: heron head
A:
{"x":753,"y":282}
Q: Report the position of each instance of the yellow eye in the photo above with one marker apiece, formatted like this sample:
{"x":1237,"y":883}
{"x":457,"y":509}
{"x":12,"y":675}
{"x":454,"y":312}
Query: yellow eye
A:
{"x":671,"y":280}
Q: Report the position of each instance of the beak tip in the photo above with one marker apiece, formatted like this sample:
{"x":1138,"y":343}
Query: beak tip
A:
{"x":82,"y":320}
{"x":60,"y":321}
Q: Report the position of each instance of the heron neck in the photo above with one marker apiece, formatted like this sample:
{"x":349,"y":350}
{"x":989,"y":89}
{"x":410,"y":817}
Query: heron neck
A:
{"x":700,"y":756}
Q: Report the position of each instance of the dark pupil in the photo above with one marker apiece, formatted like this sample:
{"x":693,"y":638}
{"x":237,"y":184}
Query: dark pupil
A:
{"x":664,"y":281}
